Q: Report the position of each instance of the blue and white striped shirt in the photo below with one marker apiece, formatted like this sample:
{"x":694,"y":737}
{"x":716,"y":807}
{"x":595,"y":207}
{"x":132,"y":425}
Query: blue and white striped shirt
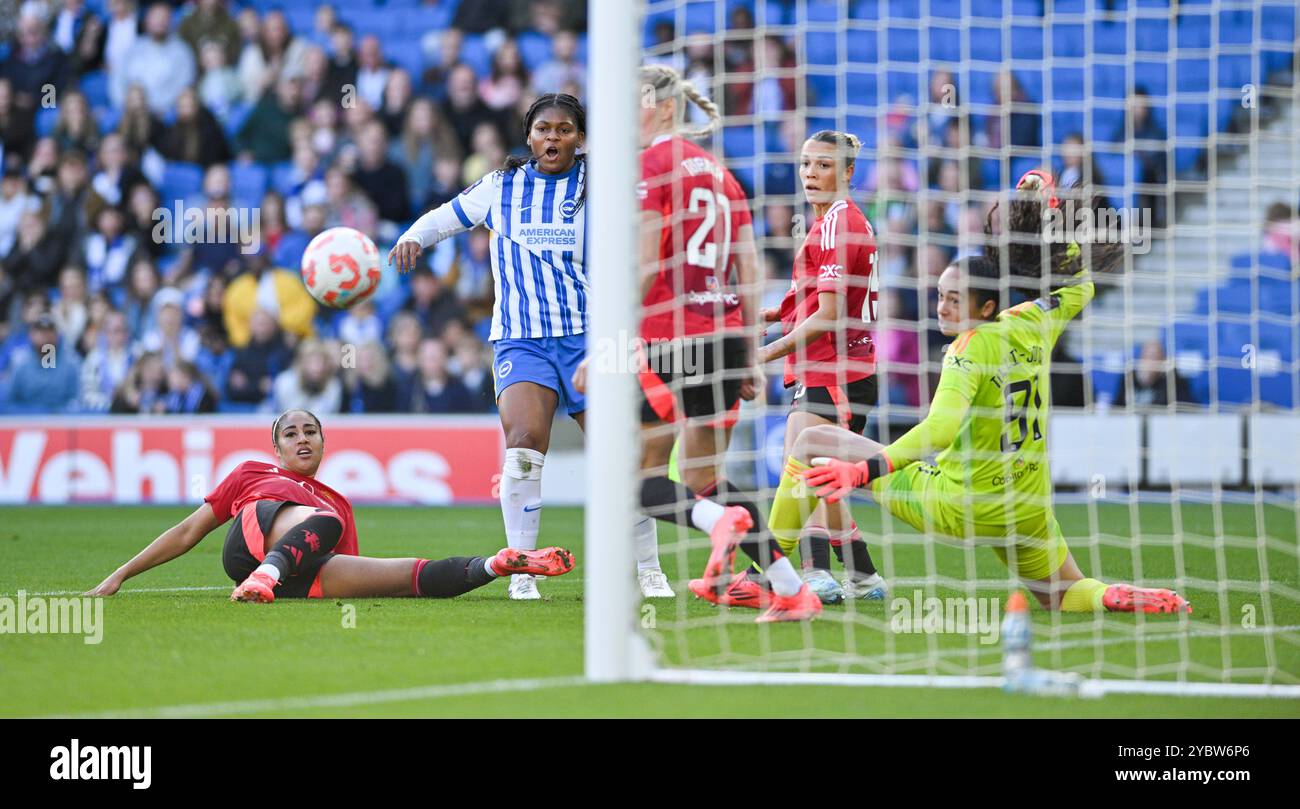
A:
{"x":538,"y":247}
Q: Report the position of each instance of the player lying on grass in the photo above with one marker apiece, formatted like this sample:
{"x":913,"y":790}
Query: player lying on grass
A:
{"x":294,"y":537}
{"x":990,"y":483}
{"x":830,"y":358}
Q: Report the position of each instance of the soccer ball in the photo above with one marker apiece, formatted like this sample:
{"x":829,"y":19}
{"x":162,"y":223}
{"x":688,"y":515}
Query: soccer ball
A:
{"x":341,"y":267}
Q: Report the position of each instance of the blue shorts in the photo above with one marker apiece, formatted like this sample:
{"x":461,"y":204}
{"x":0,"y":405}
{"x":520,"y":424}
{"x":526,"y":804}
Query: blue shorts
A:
{"x":546,"y":361}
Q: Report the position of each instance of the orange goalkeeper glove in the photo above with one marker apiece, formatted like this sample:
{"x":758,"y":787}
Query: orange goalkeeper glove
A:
{"x":837,"y":479}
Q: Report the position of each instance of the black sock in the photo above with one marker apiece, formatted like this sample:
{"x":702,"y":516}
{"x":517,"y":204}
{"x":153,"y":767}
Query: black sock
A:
{"x":310,"y":539}
{"x":815,"y":549}
{"x":665,"y":500}
{"x":447,"y":578}
{"x":856,"y":558}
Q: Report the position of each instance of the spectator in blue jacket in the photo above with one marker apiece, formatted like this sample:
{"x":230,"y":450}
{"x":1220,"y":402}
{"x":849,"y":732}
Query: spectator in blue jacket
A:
{"x":44,"y":379}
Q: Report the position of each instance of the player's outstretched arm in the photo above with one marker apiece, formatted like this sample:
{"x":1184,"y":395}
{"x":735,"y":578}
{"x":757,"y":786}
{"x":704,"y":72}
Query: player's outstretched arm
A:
{"x":171,"y":543}
{"x":469,"y":208}
{"x":823,"y":321}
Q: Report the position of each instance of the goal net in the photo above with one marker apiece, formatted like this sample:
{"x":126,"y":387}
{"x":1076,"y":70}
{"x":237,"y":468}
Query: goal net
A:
{"x":1170,"y":424}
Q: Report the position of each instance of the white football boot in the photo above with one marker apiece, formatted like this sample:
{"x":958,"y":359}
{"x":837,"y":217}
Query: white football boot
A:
{"x":868,"y":588}
{"x":654,"y":584}
{"x":523,"y":587}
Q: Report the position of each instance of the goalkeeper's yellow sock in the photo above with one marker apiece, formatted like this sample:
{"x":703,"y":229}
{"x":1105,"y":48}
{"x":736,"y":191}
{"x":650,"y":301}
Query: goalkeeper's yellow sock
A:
{"x":791,"y":507}
{"x":1084,"y":596}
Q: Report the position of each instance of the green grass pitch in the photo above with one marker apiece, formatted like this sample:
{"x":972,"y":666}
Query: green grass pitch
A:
{"x":169,"y":651}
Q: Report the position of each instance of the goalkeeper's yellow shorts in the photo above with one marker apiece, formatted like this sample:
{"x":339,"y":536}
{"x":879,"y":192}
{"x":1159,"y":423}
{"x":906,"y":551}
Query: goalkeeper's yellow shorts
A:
{"x":920,"y":495}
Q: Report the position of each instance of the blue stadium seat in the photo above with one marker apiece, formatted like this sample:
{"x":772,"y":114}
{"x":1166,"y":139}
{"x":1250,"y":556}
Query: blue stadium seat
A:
{"x":1189,"y":347}
{"x":985,"y":44}
{"x":822,"y":47}
{"x":409,"y":56}
{"x":701,"y":17}
{"x":1192,"y":75}
{"x":474,"y":52}
{"x":1153,"y":77}
{"x":862,"y":46}
{"x":821,"y":10}
{"x":1235,"y":70}
{"x":94,"y":86}
{"x":1109,"y":81}
{"x":235,"y":117}
{"x":180,"y":181}
{"x":862,"y":88}
{"x":739,"y":141}
{"x":1111,"y":167}
{"x":534,"y":49}
{"x":1027,"y":42}
{"x":282,"y":177}
{"x":1067,"y":39}
{"x":1278,"y":23}
{"x":1236,"y":26}
{"x":46,"y":118}
{"x":1253,"y":263}
{"x":903,"y":45}
{"x":1032,"y":82}
{"x":1277,"y":296}
{"x":1105,"y":384}
{"x":1108,"y":125}
{"x":823,"y":90}
{"x":1110,"y":38}
{"x":1193,"y":31}
{"x":903,"y":83}
{"x":1151,"y":34}
{"x":946,"y":9}
{"x":1277,"y":344}
{"x":248,"y":182}
{"x":945,"y":44}
{"x":1027,"y":8}
{"x":1067,"y":84}
{"x":1070,"y":7}
{"x":988,"y":8}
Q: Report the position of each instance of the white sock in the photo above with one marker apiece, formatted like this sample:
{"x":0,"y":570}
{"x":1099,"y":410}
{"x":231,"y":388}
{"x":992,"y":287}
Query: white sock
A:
{"x":646,"y":544}
{"x":705,"y":514}
{"x":521,"y":497}
{"x":270,"y":570}
{"x":487,"y":565}
{"x":785,"y":581}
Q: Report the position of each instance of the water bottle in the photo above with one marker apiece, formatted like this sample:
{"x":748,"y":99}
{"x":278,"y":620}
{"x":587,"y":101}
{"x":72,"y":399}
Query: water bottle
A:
{"x":1017,"y":636}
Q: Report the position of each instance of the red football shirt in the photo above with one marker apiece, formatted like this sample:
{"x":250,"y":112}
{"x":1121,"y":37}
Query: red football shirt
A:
{"x":838,"y":255}
{"x":703,"y":208}
{"x":256,"y":480}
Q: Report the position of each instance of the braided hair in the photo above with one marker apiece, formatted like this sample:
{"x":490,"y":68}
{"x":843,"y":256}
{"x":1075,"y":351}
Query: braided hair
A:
{"x":1016,"y":246}
{"x":661,"y":82}
{"x":567,"y":104}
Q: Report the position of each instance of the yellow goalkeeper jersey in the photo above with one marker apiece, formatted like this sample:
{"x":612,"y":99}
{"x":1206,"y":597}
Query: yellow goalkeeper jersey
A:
{"x":988,"y":419}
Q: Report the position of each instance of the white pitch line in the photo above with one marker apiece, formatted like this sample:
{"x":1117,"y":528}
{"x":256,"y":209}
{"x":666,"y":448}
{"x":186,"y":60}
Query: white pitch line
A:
{"x":343,"y":700}
{"x":1113,"y":640}
{"x":131,"y":590}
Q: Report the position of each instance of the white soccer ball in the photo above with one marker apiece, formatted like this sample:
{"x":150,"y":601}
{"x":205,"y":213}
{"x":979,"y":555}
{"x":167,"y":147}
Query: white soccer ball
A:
{"x":341,"y":267}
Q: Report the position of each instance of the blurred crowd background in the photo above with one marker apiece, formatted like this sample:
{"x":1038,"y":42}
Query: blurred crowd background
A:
{"x":370,"y":113}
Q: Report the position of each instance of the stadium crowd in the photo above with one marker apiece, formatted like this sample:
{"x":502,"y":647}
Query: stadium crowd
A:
{"x":108,"y":115}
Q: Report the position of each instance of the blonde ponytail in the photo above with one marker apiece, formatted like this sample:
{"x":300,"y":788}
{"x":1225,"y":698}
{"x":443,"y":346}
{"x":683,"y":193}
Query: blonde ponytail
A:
{"x":662,"y":82}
